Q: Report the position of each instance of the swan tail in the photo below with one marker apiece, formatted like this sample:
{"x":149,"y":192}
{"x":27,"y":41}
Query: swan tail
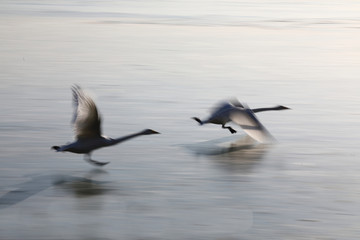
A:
{"x":56,"y":148}
{"x":198,"y":120}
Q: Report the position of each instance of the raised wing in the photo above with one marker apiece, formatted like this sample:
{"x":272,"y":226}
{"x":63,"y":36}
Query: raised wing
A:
{"x":236,"y":103}
{"x":220,"y":107}
{"x":247,"y":120}
{"x":226,"y":105}
{"x":86,"y":119}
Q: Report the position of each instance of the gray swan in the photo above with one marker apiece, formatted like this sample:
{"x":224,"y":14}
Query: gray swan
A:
{"x":87,"y":127}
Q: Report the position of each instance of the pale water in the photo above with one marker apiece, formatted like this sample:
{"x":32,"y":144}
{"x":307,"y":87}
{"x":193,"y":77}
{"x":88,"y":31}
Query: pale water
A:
{"x":155,"y":64}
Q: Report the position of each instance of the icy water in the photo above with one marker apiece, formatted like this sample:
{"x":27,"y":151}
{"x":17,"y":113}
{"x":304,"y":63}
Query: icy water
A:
{"x":155,"y":64}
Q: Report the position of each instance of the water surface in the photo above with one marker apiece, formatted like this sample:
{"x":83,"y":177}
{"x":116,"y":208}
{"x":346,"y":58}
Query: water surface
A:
{"x":156,"y":64}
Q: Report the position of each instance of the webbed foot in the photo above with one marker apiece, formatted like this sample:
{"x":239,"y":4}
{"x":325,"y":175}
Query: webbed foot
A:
{"x":93,"y":162}
{"x":230,"y":129}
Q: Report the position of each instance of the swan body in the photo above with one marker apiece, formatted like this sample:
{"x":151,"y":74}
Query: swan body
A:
{"x":87,"y":127}
{"x":242,"y":115}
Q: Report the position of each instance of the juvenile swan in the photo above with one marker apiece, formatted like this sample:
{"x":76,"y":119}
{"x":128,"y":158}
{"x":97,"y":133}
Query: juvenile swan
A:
{"x":242,"y":115}
{"x":86,"y":122}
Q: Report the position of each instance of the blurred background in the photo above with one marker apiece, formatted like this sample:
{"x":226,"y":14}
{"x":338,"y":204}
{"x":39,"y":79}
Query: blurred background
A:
{"x":155,"y":64}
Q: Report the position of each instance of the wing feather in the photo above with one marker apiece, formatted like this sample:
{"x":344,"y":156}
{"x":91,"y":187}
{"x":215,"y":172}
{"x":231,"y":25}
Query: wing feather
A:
{"x":220,"y":107}
{"x":226,"y":105}
{"x":86,"y":119}
{"x":247,"y":120}
{"x":235,"y":102}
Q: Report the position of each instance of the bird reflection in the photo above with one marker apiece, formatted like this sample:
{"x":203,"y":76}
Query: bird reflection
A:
{"x":25,"y":190}
{"x":231,"y":153}
{"x":222,"y":145}
{"x":81,"y":186}
{"x":84,"y":186}
{"x":242,"y":160}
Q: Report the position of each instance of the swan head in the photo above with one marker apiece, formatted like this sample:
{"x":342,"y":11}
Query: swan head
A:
{"x":282,"y":108}
{"x":149,"y":131}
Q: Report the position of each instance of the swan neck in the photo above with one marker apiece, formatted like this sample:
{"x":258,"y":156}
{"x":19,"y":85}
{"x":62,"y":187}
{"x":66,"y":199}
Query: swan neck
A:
{"x":125,"y":138}
{"x":255,"y":110}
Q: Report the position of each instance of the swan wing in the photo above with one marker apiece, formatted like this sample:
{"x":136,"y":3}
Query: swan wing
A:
{"x":247,"y":120}
{"x":220,"y":107}
{"x":226,"y":105}
{"x":86,"y":119}
{"x":235,"y":102}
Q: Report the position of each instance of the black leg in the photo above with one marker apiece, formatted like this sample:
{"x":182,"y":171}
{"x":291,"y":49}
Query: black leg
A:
{"x":87,"y":157}
{"x":230,"y":129}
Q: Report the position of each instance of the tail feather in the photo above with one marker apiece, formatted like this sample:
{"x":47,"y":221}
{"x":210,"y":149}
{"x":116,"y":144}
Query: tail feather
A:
{"x":198,"y":120}
{"x":56,"y":148}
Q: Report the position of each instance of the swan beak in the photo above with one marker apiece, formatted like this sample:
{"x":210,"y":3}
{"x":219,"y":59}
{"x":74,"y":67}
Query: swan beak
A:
{"x":285,"y":108}
{"x":150,"y":131}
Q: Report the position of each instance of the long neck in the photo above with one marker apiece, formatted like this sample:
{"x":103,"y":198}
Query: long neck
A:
{"x":255,"y":110}
{"x":127,"y":137}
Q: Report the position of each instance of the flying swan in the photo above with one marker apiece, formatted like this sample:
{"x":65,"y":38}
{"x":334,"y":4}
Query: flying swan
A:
{"x":242,"y":115}
{"x":87,"y":127}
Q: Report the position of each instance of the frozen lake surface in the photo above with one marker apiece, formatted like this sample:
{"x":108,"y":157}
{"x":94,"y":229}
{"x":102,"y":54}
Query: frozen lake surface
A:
{"x":155,"y":64}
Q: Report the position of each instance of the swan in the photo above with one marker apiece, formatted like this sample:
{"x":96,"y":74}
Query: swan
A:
{"x":87,"y":127}
{"x":242,"y":115}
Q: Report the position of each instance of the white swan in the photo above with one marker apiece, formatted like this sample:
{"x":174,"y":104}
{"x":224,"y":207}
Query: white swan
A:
{"x":242,"y":115}
{"x":86,"y":121}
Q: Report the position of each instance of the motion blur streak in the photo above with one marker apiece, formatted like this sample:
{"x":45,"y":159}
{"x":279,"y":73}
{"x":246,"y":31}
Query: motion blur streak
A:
{"x":157,"y":64}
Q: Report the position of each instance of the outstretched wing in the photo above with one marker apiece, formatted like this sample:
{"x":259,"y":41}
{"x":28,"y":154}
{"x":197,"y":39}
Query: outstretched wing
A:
{"x":226,"y":105}
{"x":236,"y":103}
{"x":86,"y":119}
{"x":247,"y":120}
{"x":220,"y":107}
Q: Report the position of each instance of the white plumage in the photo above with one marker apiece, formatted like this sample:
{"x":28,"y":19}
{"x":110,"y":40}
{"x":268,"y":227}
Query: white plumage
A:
{"x":242,"y":115}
